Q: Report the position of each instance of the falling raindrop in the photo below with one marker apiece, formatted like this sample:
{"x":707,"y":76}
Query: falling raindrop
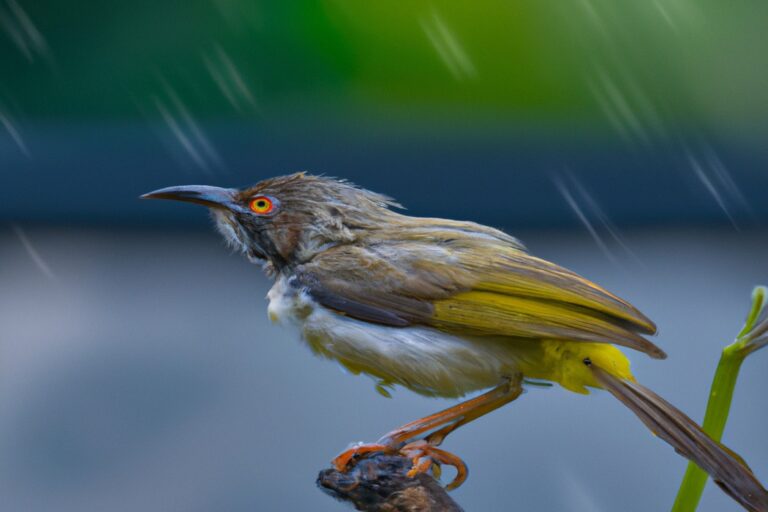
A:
{"x":14,"y":132}
{"x":578,"y":497}
{"x":717,"y":180}
{"x":181,"y":136}
{"x":22,"y":31}
{"x":186,"y":131}
{"x":724,"y":177}
{"x":448,"y":47}
{"x":620,"y":88}
{"x":626,"y":107}
{"x":571,"y":201}
{"x":602,"y":218}
{"x":665,"y":14}
{"x":679,"y":14}
{"x":229,"y":80}
{"x":592,"y":216}
{"x":34,"y":255}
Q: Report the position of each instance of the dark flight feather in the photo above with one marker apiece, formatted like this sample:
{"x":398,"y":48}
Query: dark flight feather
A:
{"x":726,"y":468}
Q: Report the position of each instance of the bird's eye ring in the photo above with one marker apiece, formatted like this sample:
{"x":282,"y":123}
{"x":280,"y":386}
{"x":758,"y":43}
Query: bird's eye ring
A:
{"x":263,"y":205}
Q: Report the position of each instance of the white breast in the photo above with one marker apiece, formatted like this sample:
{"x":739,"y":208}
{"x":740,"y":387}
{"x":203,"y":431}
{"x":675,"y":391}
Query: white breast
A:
{"x":420,"y":358}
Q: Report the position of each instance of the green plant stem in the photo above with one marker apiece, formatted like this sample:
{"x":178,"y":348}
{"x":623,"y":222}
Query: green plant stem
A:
{"x":719,"y":406}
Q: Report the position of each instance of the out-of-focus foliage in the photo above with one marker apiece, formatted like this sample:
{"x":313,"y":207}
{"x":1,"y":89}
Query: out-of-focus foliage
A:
{"x":643,"y":65}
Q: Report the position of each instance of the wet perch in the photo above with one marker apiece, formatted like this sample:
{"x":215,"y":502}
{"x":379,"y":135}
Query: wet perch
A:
{"x":379,"y":484}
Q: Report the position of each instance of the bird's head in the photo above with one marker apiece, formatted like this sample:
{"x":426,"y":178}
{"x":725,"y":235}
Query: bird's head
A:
{"x":284,"y":220}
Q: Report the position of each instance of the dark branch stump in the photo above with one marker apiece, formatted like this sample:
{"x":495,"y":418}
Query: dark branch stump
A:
{"x":379,"y":484}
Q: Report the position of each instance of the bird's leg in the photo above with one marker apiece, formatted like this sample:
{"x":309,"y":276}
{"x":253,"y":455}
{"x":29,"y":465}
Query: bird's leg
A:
{"x":460,"y":414}
{"x":419,"y":439}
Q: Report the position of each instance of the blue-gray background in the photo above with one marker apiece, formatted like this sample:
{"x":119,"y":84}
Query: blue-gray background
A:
{"x":138,"y":370}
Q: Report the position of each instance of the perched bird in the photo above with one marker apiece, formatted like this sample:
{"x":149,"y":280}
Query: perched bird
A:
{"x":444,"y":308}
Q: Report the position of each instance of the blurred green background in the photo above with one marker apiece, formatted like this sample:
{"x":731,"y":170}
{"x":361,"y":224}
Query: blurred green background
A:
{"x":660,"y":102}
{"x":624,"y":140}
{"x":650,"y":67}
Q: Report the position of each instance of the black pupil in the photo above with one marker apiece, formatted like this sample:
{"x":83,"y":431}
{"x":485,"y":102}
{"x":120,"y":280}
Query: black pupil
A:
{"x":261,"y":204}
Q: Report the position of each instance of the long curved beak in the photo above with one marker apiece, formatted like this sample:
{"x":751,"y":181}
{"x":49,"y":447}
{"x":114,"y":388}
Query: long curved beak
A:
{"x":198,"y":194}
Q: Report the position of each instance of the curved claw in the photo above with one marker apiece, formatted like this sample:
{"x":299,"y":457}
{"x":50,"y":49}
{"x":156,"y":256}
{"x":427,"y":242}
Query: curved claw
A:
{"x":424,"y":455}
{"x":420,"y":465}
{"x":344,"y":460}
{"x":462,"y":471}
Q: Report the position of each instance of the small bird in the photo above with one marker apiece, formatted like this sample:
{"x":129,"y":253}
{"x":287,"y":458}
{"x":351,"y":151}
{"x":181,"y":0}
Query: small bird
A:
{"x":444,"y":308}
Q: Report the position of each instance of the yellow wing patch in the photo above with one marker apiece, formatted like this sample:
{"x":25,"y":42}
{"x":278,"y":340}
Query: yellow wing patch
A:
{"x":512,"y":272}
{"x":496,"y":314}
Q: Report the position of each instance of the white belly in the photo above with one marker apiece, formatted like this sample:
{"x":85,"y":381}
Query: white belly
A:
{"x":425,"y":360}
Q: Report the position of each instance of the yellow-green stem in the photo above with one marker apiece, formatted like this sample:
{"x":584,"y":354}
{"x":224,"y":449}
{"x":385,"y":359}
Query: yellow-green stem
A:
{"x":719,"y":406}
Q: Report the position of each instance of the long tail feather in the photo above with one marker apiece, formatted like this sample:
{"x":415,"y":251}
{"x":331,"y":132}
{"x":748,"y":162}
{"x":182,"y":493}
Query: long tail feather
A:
{"x":726,"y":468}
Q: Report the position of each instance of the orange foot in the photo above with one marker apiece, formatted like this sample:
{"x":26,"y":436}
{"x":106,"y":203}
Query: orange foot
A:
{"x":347,"y":458}
{"x":424,"y":457}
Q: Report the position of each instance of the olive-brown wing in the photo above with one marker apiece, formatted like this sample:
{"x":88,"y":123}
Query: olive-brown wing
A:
{"x":488,"y":289}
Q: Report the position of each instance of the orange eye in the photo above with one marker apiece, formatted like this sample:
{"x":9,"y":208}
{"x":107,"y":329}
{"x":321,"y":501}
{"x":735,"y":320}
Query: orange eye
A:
{"x":262,"y":205}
